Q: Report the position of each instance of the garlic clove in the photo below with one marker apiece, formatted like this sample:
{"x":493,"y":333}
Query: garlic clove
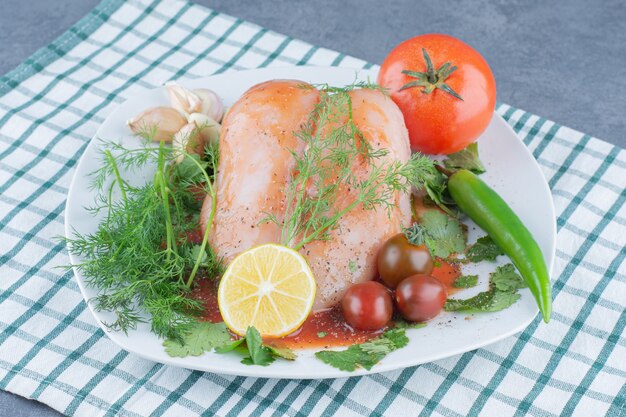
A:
{"x":182,"y":99}
{"x":212,"y":104}
{"x":157,"y":124}
{"x":208,"y":128}
{"x":186,"y":141}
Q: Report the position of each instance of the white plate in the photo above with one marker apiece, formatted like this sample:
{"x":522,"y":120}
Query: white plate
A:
{"x":511,"y":171}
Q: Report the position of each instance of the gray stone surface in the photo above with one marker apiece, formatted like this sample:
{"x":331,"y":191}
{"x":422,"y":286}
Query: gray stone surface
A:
{"x":563,"y":60}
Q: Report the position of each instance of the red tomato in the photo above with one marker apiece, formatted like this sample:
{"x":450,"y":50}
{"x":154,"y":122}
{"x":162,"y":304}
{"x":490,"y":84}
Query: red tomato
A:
{"x":420,"y":297}
{"x":367,"y":306}
{"x":438,"y":121}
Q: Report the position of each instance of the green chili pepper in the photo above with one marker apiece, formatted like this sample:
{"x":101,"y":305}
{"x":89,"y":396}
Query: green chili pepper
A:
{"x":489,"y":211}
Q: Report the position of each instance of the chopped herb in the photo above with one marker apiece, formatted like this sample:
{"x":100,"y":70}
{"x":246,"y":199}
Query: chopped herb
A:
{"x":443,"y":234}
{"x":365,"y":355}
{"x":403,"y":324}
{"x":502,"y":293}
{"x":485,"y":249}
{"x":465,"y":159}
{"x":465,"y":281}
{"x":352,"y":266}
{"x":200,"y":338}
{"x":322,"y":334}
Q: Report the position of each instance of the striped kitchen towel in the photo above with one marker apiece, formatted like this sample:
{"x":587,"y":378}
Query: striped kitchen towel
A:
{"x":52,"y":350}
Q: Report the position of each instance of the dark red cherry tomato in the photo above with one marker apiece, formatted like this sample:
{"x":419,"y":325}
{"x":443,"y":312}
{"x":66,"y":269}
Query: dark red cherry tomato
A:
{"x":420,"y":297}
{"x":399,"y":259}
{"x":367,"y":306}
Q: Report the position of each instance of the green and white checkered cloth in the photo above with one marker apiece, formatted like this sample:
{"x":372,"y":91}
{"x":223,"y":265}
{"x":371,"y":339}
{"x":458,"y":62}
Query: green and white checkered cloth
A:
{"x":52,"y":350}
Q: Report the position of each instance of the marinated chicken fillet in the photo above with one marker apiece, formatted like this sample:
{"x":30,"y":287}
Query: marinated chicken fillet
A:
{"x":255,"y":164}
{"x":349,"y":256}
{"x":255,"y":167}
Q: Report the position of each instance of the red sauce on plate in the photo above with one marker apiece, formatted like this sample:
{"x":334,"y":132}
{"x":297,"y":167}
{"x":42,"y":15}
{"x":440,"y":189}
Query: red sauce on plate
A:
{"x":205,"y":291}
{"x":447,"y":273}
{"x":322,"y":329}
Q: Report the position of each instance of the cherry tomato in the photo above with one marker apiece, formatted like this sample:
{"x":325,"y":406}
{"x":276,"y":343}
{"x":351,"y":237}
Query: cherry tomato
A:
{"x":420,"y":297}
{"x":399,"y":259}
{"x":367,"y":306}
{"x":445,"y":109}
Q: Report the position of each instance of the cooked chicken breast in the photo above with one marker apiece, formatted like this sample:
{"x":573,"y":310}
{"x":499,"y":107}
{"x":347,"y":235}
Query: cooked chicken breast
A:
{"x":255,"y":163}
{"x":349,"y":256}
{"x":256,"y":166}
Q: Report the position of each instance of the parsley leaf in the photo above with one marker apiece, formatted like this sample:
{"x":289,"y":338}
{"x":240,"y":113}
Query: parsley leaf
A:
{"x":485,"y":249}
{"x":201,"y":337}
{"x":233,"y":345}
{"x":477,"y":304}
{"x":465,"y":281}
{"x":502,"y":293}
{"x":436,"y":187}
{"x":204,"y":336}
{"x":254,"y":351}
{"x":443,"y":234}
{"x":284,"y":353}
{"x":259,"y":354}
{"x":502,"y":300}
{"x":466,"y":159}
{"x":365,"y":355}
{"x":321,"y":334}
{"x":506,"y":279}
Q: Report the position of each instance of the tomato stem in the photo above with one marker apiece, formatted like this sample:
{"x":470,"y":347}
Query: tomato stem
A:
{"x":431,"y":79}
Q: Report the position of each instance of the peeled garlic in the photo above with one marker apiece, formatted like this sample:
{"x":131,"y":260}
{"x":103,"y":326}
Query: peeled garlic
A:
{"x":186,"y":141}
{"x":183,"y":100}
{"x":212,"y":104}
{"x":208,"y":128}
{"x":157,"y":124}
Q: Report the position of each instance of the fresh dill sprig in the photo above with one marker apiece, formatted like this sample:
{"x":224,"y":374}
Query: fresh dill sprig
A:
{"x":334,"y":149}
{"x":141,"y":257}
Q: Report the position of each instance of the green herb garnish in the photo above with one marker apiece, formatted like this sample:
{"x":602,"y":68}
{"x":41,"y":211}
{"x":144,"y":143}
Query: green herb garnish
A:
{"x":254,"y":351}
{"x":442,"y":234}
{"x":200,"y":338}
{"x":204,"y":336}
{"x":485,"y":249}
{"x":333,"y":145}
{"x":506,"y":279}
{"x":258,"y":354}
{"x":465,"y":281}
{"x":403,"y":324}
{"x":465,"y":159}
{"x":436,"y":186}
{"x":365,"y":355}
{"x":322,"y":334}
{"x":140,"y":258}
{"x":502,"y":293}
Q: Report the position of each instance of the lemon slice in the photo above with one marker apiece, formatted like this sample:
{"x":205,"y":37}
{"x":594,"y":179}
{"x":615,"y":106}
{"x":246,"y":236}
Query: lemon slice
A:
{"x":270,"y":287}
